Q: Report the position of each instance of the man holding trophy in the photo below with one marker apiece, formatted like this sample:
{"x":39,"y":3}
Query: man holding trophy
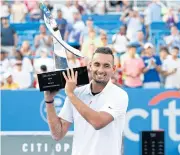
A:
{"x":97,"y":109}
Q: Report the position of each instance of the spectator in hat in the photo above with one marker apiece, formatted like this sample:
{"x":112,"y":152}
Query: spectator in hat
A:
{"x":152,"y":68}
{"x":133,"y":68}
{"x":126,"y":54}
{"x":9,"y":82}
{"x":61,"y":22}
{"x":9,"y":38}
{"x":171,"y":70}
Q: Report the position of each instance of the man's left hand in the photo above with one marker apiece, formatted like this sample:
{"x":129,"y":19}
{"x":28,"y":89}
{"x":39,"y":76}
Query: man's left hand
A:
{"x":71,"y":81}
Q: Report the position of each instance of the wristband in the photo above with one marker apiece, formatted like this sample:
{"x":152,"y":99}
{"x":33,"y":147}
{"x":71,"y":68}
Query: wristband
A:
{"x":50,"y":102}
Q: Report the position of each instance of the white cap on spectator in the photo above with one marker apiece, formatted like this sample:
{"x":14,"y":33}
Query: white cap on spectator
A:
{"x":147,"y":45}
{"x":6,"y":75}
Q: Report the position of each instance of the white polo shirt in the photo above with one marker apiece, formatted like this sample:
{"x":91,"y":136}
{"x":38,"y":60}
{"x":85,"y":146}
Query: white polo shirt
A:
{"x":106,"y":141}
{"x":172,"y":81}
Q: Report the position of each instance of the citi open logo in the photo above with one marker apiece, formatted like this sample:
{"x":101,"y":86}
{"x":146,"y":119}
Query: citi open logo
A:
{"x":58,"y":103}
{"x":154,"y":116}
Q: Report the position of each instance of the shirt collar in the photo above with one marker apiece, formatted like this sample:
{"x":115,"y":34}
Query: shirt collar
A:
{"x":88,"y":88}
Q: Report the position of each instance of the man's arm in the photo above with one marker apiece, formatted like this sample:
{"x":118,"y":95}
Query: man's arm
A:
{"x":58,"y":126}
{"x":36,"y":41}
{"x":167,"y":73}
{"x":97,"y":119}
{"x":145,"y":69}
{"x":15,"y":39}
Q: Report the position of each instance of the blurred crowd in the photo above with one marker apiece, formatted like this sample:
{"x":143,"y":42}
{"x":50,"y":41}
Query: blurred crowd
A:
{"x":138,"y":63}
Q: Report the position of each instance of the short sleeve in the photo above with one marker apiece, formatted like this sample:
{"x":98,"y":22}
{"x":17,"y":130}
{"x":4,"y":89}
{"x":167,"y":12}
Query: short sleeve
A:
{"x":158,"y":61}
{"x":116,"y":105}
{"x":66,"y":112}
{"x":145,"y":61}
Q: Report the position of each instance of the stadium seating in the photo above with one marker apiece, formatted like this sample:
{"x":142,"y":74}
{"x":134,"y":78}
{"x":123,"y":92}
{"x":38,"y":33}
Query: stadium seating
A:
{"x":110,"y":23}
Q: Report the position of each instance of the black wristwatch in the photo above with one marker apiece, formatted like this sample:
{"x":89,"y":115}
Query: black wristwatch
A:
{"x":50,"y":102}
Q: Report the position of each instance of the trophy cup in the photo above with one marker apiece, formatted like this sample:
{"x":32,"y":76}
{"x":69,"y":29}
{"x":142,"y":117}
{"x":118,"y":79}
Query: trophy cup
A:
{"x":55,"y":80}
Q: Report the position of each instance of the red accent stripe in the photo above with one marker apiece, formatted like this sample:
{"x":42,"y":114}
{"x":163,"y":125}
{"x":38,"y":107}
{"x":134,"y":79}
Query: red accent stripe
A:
{"x":163,"y":96}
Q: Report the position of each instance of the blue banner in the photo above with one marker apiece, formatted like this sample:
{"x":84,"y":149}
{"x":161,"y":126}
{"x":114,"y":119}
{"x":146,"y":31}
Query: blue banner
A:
{"x":152,"y":109}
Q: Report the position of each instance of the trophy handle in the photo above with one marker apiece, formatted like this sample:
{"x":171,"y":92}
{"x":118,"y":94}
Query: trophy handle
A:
{"x":60,"y":57}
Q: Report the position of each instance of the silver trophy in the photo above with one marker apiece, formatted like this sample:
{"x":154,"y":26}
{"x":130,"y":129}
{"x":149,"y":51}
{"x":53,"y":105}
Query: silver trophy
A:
{"x":55,"y":80}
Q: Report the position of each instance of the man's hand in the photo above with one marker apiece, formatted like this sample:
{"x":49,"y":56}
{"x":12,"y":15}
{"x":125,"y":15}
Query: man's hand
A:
{"x":173,"y":71}
{"x":71,"y":81}
{"x":49,"y":95}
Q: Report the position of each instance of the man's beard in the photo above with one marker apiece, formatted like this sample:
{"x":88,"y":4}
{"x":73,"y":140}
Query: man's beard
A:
{"x":103,"y":83}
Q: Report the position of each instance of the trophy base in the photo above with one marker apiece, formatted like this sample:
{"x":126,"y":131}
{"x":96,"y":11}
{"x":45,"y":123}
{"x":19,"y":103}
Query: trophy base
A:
{"x":51,"y":81}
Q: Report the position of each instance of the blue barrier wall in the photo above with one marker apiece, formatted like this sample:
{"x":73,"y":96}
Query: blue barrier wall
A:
{"x":157,"y":109}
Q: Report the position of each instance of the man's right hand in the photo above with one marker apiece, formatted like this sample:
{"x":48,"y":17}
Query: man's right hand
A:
{"x":49,"y":95}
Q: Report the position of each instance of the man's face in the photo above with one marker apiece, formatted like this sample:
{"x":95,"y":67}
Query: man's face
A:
{"x":102,"y":68}
{"x":123,"y":30}
{"x":149,"y":51}
{"x":59,"y":14}
{"x":42,"y":29}
{"x":89,"y":23}
{"x":4,"y":21}
{"x":9,"y":79}
{"x":19,"y":67}
{"x":76,"y":16}
{"x":163,"y":54}
{"x":140,"y":36}
{"x":132,"y":51}
{"x":174,"y":30}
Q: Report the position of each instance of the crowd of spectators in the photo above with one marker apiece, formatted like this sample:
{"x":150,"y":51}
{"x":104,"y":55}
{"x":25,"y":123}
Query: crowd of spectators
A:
{"x":138,"y":63}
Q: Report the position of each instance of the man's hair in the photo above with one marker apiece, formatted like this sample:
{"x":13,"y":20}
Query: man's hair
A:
{"x":103,"y":50}
{"x":176,"y":48}
{"x":164,"y":49}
